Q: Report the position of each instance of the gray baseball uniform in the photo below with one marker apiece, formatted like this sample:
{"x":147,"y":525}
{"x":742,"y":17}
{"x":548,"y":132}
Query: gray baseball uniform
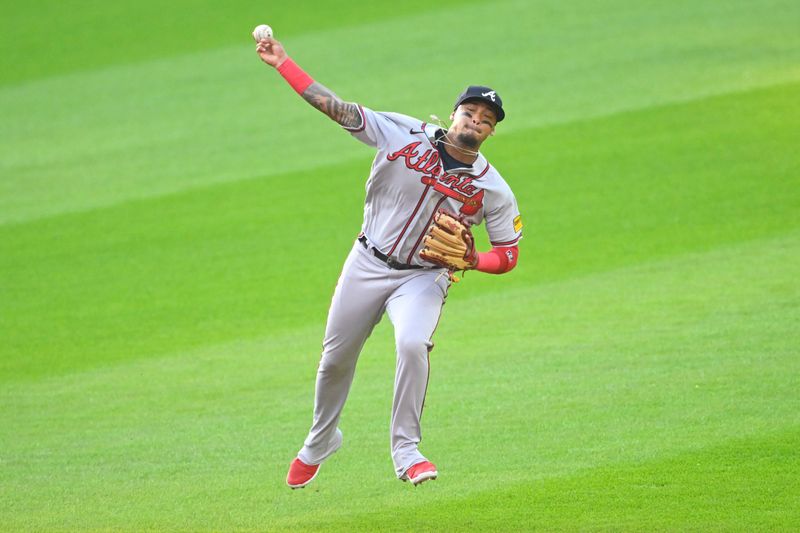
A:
{"x":406,"y":186}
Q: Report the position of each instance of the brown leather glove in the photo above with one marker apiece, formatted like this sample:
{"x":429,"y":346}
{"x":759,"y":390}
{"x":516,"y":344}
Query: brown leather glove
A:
{"x":449,"y":242}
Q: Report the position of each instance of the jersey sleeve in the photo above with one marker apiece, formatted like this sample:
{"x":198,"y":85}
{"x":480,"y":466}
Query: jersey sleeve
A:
{"x":503,"y":219}
{"x":378,"y":128}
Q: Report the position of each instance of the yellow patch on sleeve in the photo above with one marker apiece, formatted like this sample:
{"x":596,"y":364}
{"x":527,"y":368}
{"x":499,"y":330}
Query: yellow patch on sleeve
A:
{"x":518,"y":223}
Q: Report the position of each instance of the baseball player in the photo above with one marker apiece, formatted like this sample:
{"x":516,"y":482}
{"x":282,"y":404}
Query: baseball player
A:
{"x":426,"y":187}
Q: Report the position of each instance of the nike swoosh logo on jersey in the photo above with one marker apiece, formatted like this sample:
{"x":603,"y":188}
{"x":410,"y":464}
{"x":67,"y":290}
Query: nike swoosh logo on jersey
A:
{"x":412,"y":132}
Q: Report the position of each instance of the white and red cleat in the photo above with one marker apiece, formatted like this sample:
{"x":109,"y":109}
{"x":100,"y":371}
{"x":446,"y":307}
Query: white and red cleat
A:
{"x":301,"y":474}
{"x":421,"y":472}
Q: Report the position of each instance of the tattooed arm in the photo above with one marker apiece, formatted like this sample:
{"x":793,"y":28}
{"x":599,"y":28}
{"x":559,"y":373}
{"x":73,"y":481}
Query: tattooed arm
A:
{"x":345,"y":113}
{"x":272,"y":53}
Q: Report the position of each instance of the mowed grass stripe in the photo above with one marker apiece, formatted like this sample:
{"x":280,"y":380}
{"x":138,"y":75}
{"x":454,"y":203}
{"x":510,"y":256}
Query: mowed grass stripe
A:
{"x":134,"y":131}
{"x":98,"y":33}
{"x":212,"y":265}
{"x":742,"y":485}
{"x":632,"y":366}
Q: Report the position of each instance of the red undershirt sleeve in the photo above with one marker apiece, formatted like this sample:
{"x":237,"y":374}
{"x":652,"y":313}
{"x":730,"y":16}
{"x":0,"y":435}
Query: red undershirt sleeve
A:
{"x":498,"y":260}
{"x":295,"y":76}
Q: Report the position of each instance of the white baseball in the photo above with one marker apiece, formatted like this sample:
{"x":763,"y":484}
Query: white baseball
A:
{"x":262,"y":31}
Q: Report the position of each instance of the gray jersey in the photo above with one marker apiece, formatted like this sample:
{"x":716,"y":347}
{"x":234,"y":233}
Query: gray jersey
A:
{"x":407,"y":184}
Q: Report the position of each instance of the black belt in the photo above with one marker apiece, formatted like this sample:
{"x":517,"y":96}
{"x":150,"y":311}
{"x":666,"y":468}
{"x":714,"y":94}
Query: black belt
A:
{"x":390,"y":262}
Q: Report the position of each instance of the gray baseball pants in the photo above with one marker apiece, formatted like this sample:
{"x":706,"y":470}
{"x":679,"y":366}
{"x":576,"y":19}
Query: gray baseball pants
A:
{"x":413,"y":299}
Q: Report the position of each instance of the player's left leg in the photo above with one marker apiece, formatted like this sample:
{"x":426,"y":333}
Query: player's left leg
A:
{"x":414,"y":309}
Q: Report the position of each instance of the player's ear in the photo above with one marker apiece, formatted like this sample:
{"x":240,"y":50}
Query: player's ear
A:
{"x":492,"y":132}
{"x":452,"y":116}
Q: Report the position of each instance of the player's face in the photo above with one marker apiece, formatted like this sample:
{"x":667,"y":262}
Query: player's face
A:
{"x":473,"y":122}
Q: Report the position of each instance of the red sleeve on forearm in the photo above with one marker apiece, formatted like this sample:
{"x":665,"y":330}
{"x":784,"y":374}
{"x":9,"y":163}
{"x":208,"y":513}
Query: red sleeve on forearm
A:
{"x":296,"y":76}
{"x":498,"y":260}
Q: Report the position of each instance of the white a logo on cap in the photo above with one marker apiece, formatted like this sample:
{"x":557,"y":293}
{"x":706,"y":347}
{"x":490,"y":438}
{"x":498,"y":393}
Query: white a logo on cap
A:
{"x":490,"y":94}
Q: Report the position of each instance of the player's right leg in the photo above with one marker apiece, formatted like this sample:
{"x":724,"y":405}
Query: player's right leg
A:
{"x":357,"y":306}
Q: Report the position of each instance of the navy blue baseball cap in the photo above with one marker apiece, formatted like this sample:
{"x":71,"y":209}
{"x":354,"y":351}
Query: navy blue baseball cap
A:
{"x":484,"y":94}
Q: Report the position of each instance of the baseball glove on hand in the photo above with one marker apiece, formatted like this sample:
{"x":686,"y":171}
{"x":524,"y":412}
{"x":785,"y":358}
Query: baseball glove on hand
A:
{"x":449,"y":242}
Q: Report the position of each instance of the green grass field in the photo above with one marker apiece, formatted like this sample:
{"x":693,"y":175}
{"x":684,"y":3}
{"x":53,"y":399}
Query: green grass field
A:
{"x":173,"y":219}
